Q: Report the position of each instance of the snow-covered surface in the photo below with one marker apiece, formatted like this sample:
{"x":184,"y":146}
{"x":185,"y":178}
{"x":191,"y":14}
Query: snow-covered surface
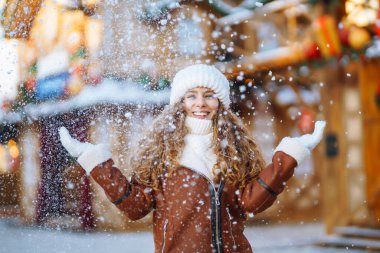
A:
{"x":10,"y":117}
{"x":236,"y":17}
{"x":109,"y":91}
{"x":240,"y":14}
{"x":265,"y":239}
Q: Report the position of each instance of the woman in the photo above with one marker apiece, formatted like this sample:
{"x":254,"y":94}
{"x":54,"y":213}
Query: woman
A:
{"x":197,"y":168}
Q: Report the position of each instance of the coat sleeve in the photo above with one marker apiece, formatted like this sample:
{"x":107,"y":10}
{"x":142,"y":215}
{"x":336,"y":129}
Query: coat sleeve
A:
{"x":261,"y":192}
{"x":131,"y":197}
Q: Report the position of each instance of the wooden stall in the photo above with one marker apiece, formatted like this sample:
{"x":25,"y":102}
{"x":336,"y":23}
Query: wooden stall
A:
{"x":343,"y":188}
{"x":344,"y":174}
{"x":55,"y":192}
{"x":9,"y":168}
{"x":369,"y":85}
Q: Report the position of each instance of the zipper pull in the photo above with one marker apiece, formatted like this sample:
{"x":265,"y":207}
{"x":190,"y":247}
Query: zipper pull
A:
{"x":217,"y":199}
{"x":166,"y":225}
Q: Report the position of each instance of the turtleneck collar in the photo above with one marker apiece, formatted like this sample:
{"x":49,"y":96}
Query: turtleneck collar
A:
{"x":199,"y":126}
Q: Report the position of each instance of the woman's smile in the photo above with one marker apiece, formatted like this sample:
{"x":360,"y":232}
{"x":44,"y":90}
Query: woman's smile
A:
{"x":200,"y":115}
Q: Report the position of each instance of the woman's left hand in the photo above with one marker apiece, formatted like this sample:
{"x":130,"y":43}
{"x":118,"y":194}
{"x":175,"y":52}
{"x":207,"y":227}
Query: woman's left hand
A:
{"x":310,"y":141}
{"x":299,"y":147}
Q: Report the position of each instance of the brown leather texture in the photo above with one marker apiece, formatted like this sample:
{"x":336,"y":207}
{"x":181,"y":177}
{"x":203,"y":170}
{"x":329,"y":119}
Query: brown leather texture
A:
{"x":182,"y":210}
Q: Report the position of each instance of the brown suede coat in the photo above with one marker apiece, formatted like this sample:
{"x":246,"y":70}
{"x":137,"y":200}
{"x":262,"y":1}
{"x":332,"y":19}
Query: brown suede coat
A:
{"x":191,"y":214}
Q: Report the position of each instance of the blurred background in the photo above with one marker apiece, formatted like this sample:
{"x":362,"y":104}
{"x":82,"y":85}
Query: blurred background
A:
{"x":103,"y":69}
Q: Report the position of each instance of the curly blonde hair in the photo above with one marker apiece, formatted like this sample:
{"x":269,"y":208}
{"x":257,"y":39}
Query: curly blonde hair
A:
{"x":239,"y":159}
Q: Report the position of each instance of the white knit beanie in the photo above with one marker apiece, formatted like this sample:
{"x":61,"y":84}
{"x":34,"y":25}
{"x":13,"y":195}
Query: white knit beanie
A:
{"x":200,"y":75}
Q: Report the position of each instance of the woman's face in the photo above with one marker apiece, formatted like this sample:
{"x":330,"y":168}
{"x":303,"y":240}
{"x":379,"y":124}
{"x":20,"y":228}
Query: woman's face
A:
{"x":201,"y":103}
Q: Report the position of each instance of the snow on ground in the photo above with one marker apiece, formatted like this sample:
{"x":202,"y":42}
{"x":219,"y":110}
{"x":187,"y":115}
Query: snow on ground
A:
{"x":16,"y":238}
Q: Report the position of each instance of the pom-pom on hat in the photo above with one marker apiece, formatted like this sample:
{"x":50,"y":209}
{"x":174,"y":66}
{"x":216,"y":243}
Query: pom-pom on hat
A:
{"x":200,"y":75}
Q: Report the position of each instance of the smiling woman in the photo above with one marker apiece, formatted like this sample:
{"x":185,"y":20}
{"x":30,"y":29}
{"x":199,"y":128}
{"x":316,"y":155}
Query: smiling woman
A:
{"x":197,"y":168}
{"x":201,"y":103}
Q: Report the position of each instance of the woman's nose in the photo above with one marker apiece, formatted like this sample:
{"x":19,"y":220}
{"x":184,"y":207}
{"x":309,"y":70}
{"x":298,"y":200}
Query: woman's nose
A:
{"x":200,"y":101}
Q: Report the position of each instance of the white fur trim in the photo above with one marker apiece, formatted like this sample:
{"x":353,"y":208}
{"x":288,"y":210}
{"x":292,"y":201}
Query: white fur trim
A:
{"x":200,"y":75}
{"x":294,"y":148}
{"x":94,"y":156}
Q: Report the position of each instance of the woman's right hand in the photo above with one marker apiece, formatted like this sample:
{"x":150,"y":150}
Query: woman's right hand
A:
{"x":73,"y":146}
{"x":89,"y":155}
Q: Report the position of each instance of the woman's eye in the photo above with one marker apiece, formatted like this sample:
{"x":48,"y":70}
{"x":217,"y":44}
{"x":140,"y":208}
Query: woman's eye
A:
{"x":210,"y":96}
{"x":190,"y":96}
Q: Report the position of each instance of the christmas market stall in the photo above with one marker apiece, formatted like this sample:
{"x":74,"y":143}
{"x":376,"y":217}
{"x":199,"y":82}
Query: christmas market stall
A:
{"x":293,"y":49}
{"x":103,"y":70}
{"x":60,"y":83}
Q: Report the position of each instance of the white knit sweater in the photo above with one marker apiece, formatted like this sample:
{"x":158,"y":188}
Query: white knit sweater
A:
{"x":198,"y":154}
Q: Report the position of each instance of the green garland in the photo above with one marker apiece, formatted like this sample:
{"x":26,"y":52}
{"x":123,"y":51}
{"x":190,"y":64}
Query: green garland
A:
{"x":148,"y":83}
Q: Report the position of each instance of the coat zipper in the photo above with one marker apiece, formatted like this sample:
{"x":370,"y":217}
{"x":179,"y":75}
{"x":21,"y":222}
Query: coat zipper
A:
{"x":232,"y":235}
{"x":218,"y":242}
{"x":219,"y":247}
{"x":164,"y":239}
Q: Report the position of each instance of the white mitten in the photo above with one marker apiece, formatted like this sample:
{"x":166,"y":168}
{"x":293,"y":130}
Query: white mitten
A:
{"x":73,"y":146}
{"x":299,"y":147}
{"x":89,"y":155}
